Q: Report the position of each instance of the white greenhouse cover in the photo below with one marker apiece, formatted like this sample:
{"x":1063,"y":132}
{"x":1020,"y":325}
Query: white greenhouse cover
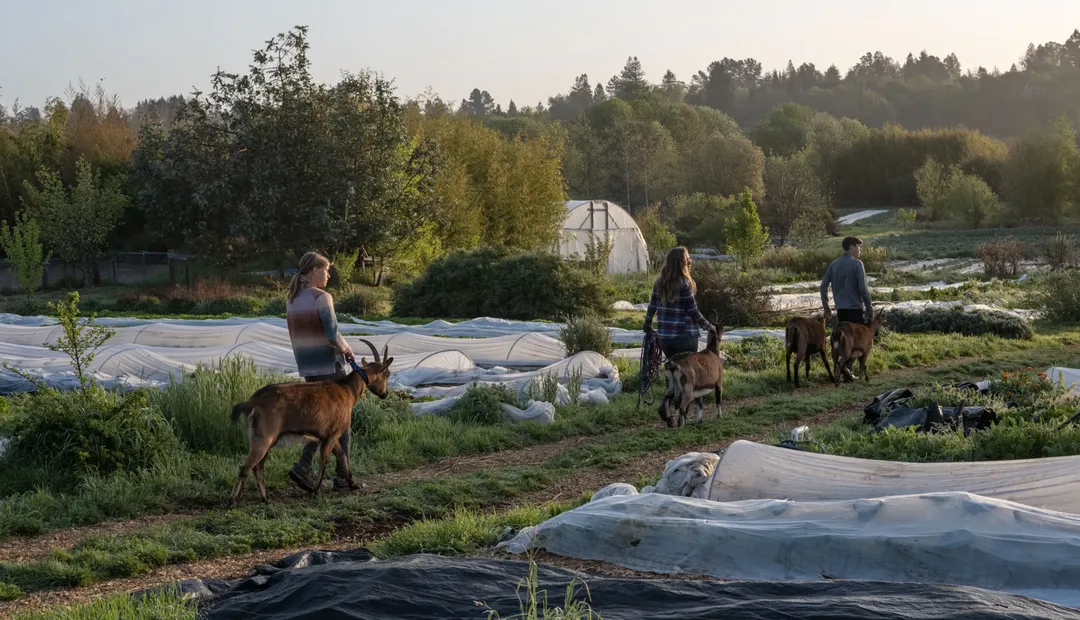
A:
{"x":749,"y":470}
{"x":953,"y":538}
{"x":590,"y":221}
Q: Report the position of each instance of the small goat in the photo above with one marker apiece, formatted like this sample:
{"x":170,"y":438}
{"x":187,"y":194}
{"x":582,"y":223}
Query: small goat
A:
{"x":804,"y":337}
{"x":852,"y":341}
{"x":693,"y":375}
{"x":286,"y":412}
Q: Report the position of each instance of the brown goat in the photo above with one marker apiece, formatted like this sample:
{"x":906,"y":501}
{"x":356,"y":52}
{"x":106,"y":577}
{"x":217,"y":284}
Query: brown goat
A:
{"x":804,"y":337}
{"x":852,"y":341}
{"x":286,"y":412}
{"x":693,"y":375}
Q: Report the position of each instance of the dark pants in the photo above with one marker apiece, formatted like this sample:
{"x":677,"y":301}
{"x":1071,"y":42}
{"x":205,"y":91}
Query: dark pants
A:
{"x":303,"y":466}
{"x":679,"y":344}
{"x":850,"y":316}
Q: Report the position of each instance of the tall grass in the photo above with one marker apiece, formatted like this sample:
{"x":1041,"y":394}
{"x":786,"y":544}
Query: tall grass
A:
{"x":198,"y":407}
{"x":166,"y":604}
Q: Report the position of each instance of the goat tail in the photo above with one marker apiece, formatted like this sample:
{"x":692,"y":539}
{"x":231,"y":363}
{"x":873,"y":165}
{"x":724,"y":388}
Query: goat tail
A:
{"x":241,"y":409}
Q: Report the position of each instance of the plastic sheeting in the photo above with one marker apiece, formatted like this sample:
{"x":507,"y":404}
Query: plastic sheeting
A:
{"x":594,"y":221}
{"x":749,"y":470}
{"x":954,"y":538}
{"x":421,"y":587}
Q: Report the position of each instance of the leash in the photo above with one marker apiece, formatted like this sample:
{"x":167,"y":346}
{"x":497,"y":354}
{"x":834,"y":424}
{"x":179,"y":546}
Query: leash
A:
{"x":357,"y":369}
{"x":650,"y":366}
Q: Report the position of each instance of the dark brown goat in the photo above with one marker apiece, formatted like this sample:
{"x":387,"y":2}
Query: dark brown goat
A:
{"x":286,"y":412}
{"x":804,"y":337}
{"x":693,"y":375}
{"x":851,"y":341}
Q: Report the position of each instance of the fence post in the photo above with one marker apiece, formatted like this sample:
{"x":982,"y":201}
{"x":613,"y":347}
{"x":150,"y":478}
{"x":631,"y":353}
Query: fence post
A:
{"x":112,"y":260}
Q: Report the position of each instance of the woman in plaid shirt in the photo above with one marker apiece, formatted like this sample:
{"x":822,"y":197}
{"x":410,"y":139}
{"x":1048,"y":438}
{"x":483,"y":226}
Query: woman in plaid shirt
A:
{"x":677,"y":315}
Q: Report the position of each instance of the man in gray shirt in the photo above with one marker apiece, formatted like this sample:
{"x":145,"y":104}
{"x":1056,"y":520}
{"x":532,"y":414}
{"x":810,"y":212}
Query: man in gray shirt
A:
{"x":848,"y":279}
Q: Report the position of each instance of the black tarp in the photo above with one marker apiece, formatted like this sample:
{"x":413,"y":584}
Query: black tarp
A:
{"x":421,"y":587}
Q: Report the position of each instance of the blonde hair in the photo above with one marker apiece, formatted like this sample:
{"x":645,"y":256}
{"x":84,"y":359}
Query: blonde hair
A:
{"x":676,"y":269}
{"x":308,"y":263}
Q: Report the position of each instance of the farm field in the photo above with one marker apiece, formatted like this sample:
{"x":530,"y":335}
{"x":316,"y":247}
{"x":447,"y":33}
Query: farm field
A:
{"x":449,"y":483}
{"x":163,"y":263}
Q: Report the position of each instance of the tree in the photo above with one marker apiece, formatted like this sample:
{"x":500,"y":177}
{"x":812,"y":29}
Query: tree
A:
{"x":658,"y":237}
{"x":792,"y":191}
{"x":931,"y":185}
{"x":76,"y":225}
{"x":905,"y":218}
{"x":672,"y":87}
{"x":22,"y":246}
{"x":744,"y":236}
{"x":1041,"y":173}
{"x":630,"y":84}
{"x":479,"y":103}
{"x":511,"y":110}
{"x":699,"y":219}
{"x":79,"y":341}
{"x":272,"y":164}
{"x":969,"y":197}
{"x":785,"y":130}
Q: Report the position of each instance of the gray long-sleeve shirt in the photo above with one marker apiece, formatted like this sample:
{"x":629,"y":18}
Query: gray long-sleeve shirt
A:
{"x":848,"y":279}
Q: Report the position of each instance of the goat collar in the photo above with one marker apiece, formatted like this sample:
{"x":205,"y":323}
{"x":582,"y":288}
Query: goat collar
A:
{"x":359,"y":370}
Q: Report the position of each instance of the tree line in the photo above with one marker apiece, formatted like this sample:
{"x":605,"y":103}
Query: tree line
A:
{"x":269,"y":163}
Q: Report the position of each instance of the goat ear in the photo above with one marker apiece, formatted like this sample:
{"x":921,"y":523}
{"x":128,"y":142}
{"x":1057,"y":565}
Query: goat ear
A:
{"x":387,"y":362}
{"x":363,"y":361}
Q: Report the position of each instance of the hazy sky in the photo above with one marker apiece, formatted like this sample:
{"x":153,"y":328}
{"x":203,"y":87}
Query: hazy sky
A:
{"x":525,"y":50}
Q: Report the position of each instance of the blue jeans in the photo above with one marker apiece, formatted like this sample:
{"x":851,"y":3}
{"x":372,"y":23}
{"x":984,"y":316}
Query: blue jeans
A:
{"x":679,"y":344}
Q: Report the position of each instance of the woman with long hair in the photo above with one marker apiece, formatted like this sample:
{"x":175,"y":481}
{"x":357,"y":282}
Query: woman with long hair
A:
{"x":677,"y":315}
{"x":320,"y":350}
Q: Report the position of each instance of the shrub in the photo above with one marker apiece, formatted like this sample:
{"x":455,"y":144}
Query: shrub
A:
{"x":1060,"y":251}
{"x":658,"y":238}
{"x":586,"y":333}
{"x":198,"y":407}
{"x":360,"y":300}
{"x":79,"y":341}
{"x":9,"y":591}
{"x":276,"y":306}
{"x":480,"y":404}
{"x":1001,"y":259}
{"x":372,"y":415}
{"x":873,"y":259}
{"x":806,"y":263}
{"x":344,"y":265}
{"x":237,"y":305}
{"x":724,"y":293}
{"x":1058,"y":295}
{"x":512,"y":286}
{"x":84,"y":433}
{"x":956,"y":320}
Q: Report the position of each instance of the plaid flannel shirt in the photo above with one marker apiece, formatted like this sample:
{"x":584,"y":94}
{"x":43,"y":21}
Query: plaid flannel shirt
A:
{"x":680,"y":318}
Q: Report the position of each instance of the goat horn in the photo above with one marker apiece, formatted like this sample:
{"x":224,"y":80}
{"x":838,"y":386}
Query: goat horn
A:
{"x":386,"y":351}
{"x":374,"y":351}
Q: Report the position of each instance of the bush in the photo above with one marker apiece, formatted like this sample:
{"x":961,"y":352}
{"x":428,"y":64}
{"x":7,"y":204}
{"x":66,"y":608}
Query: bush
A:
{"x":956,"y":320}
{"x":1060,"y":251}
{"x":238,"y":305}
{"x":360,"y":300}
{"x":806,"y":263}
{"x":84,"y":433}
{"x":873,"y":259}
{"x":512,"y":286}
{"x":744,"y":236}
{"x":198,"y":407}
{"x":372,"y":415}
{"x":9,"y":591}
{"x":724,"y":293}
{"x":1058,"y":295}
{"x":480,"y":405}
{"x":586,"y":333}
{"x":22,"y":246}
{"x":1001,"y":259}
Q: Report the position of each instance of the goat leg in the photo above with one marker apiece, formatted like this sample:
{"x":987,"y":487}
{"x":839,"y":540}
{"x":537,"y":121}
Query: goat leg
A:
{"x":719,"y":391}
{"x":862,"y":368}
{"x":324,"y":455}
{"x":825,"y":360}
{"x":262,"y":482}
{"x":259,"y":447}
{"x":343,"y":464}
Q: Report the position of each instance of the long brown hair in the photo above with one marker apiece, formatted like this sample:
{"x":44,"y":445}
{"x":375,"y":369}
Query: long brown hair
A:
{"x":676,"y":269}
{"x":308,"y":263}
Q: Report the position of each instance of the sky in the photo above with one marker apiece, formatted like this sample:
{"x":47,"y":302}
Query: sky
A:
{"x":525,"y":51}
